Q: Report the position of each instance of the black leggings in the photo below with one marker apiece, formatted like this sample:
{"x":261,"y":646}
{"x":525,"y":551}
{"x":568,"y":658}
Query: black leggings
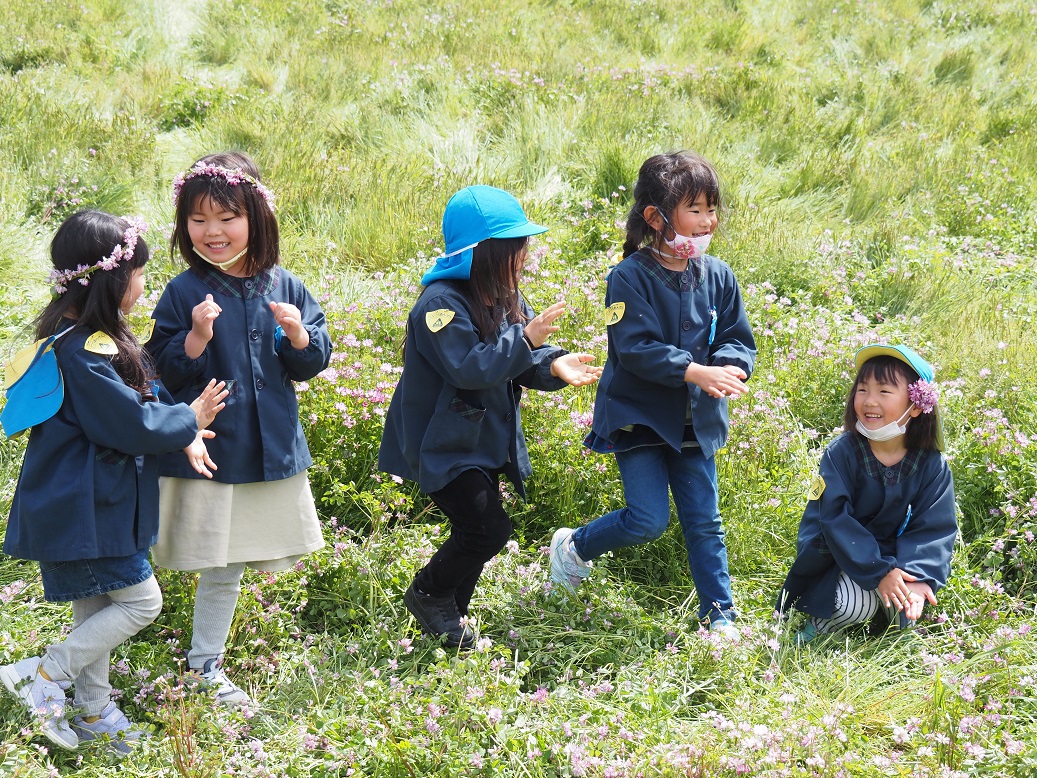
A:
{"x":479,"y":529}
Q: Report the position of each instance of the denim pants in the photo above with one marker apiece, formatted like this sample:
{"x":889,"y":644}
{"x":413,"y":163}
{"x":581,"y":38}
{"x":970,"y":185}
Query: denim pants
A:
{"x":650,"y":474}
{"x":479,"y":529}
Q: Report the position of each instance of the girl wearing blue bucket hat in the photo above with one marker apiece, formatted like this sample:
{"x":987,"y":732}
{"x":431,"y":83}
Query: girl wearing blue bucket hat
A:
{"x":453,"y":424}
{"x":86,"y":504}
{"x":879,"y":526}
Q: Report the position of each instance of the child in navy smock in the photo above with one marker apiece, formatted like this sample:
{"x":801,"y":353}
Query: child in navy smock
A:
{"x":453,"y":424}
{"x":238,"y":315}
{"x":679,"y":344}
{"x":86,"y":504}
{"x":879,"y":527}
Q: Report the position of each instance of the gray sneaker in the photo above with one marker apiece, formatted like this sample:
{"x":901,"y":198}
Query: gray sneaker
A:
{"x":121,"y":734}
{"x":225,"y":690}
{"x":567,"y":568}
{"x":44,"y":699}
{"x":439,"y":616}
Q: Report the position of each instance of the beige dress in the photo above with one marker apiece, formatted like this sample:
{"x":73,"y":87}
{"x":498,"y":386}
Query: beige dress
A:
{"x":268,"y":525}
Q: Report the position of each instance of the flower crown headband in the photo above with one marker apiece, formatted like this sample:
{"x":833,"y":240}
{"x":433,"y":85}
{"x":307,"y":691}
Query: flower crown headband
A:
{"x":233,"y":176}
{"x":924,"y":394}
{"x":81,"y":274}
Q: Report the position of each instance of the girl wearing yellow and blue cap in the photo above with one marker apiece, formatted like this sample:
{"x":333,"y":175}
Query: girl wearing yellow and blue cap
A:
{"x":879,"y":526}
{"x":453,"y":424}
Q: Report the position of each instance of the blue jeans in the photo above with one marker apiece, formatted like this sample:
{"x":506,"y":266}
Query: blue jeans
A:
{"x":650,"y":474}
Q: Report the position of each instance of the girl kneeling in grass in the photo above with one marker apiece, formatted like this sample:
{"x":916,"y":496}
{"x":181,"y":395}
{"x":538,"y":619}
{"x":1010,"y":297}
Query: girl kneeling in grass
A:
{"x":879,"y":527}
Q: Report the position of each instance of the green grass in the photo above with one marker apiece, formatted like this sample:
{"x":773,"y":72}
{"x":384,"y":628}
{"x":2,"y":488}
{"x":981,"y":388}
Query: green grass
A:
{"x":878,"y":170}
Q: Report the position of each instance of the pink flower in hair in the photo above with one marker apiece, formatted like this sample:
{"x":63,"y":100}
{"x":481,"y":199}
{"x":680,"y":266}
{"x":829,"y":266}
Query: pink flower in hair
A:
{"x":924,"y":394}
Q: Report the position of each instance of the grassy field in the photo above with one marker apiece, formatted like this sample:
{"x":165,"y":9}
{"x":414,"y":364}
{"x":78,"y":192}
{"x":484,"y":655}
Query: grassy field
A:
{"x":878,"y":162}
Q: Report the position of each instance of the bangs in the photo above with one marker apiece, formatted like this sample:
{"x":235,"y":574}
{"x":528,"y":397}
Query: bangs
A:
{"x":696,"y":180}
{"x":217,"y":191}
{"x":887,"y":370}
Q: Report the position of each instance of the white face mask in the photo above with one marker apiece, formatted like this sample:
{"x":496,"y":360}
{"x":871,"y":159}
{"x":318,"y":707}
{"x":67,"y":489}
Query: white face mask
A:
{"x":222,"y":265}
{"x":887,"y":431}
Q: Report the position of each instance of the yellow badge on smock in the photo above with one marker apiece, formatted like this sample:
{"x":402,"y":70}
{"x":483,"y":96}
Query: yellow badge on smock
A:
{"x":614,"y":313}
{"x":438,"y":319}
{"x":817,"y":488}
{"x":144,"y":332}
{"x":99,"y":343}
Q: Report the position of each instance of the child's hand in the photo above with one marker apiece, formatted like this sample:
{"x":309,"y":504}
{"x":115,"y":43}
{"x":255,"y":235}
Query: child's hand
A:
{"x":575,"y":369}
{"x":716,"y":381}
{"x":202,"y":317}
{"x":209,"y":403}
{"x":894,"y":589}
{"x":290,"y":319}
{"x":541,"y":326}
{"x":921,"y":593}
{"x":198,"y":454}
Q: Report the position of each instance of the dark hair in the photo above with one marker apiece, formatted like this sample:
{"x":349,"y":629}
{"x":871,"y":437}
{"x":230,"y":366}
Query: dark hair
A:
{"x":84,"y":238}
{"x":922,"y":429}
{"x":263,"y":237}
{"x":666,"y":181}
{"x":492,"y":285}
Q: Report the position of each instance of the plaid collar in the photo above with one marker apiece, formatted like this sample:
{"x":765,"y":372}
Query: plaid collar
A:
{"x":259,"y":285}
{"x":671,"y":279}
{"x":892,"y":475}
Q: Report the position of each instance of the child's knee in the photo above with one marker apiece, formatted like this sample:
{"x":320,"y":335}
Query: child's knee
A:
{"x":645,"y":526}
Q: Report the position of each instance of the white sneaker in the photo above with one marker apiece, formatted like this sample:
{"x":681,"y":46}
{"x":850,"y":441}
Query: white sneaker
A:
{"x":225,"y":690}
{"x":567,"y":568}
{"x":44,"y":699}
{"x":122,"y":735}
{"x":725,"y":627}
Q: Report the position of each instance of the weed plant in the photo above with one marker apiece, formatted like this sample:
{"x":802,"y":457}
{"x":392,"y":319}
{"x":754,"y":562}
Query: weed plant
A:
{"x":878,"y":168}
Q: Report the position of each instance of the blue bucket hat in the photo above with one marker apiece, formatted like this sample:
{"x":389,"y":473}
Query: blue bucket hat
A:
{"x":912,"y":360}
{"x":475,"y":214}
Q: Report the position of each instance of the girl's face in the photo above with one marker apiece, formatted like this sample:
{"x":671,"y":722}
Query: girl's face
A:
{"x":217,"y":233}
{"x":878,"y":403}
{"x":133,"y":291}
{"x":693,"y":219}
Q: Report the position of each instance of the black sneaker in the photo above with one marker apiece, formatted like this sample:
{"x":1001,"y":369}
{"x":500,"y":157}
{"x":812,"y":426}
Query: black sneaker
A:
{"x":439,"y":616}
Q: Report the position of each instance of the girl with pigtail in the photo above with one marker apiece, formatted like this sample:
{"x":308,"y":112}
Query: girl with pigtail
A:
{"x":679,"y":345}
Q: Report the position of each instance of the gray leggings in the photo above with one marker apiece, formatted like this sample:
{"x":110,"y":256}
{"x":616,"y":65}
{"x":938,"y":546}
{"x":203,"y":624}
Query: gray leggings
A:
{"x":99,"y":625}
{"x":214,"y":604}
{"x":854,"y":605}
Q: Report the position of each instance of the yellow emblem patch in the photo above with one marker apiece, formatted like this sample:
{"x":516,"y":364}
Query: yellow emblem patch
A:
{"x":99,"y":343}
{"x":438,"y":319}
{"x":817,"y":488}
{"x":144,"y":332}
{"x":614,"y":313}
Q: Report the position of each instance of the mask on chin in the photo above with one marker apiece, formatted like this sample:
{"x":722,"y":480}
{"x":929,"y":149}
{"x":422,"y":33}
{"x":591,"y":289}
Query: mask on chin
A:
{"x":887,"y":431}
{"x":222,"y":265}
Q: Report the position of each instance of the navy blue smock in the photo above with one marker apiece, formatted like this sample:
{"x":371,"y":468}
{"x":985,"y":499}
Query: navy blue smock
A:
{"x":88,"y":487}
{"x":853,"y":525}
{"x":456,"y":406}
{"x":258,"y":434}
{"x":663,"y":330}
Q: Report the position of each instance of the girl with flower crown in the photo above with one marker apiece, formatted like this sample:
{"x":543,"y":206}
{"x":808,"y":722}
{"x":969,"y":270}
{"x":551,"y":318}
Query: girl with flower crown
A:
{"x":237,"y":315}
{"x":879,"y":526}
{"x":86,"y":504}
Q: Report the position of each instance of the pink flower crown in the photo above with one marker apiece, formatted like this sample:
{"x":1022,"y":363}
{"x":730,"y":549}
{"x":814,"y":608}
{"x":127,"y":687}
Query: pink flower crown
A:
{"x":125,"y":250}
{"x":924,"y":394}
{"x":233,"y":176}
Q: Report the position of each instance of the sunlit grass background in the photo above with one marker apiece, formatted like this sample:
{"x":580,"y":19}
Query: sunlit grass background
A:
{"x":878,"y":162}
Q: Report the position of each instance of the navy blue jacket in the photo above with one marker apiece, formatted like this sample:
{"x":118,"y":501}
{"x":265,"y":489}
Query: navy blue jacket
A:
{"x":258,"y":435}
{"x":456,"y":406}
{"x":853,"y":526}
{"x":89,"y":481}
{"x":660,"y":333}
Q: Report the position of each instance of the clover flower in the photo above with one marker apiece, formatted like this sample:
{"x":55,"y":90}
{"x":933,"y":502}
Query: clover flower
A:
{"x":60,"y":279}
{"x":924,"y":394}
